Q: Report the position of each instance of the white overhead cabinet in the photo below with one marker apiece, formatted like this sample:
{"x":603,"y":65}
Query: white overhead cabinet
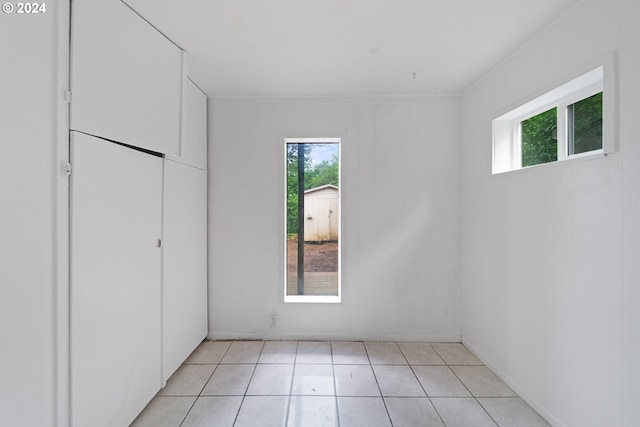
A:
{"x":116,"y":211}
{"x":184,"y":274}
{"x":126,"y":78}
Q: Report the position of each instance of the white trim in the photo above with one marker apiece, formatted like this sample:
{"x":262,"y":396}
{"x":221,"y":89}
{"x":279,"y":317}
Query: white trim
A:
{"x":311,"y":140}
{"x":354,"y":96}
{"x":322,"y":299}
{"x":61,"y":322}
{"x":335,"y":337}
{"x":183,"y":104}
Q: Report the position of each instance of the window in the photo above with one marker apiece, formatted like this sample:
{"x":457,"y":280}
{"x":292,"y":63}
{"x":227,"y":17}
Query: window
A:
{"x":312,"y":220}
{"x":538,"y":136}
{"x":574,"y":120}
{"x":584,"y":120}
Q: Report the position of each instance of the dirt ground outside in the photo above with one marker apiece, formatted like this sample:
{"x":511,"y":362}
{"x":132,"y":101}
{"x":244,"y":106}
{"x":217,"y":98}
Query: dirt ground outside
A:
{"x":319,"y":257}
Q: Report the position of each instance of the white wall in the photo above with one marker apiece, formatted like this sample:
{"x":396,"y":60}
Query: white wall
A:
{"x":32,"y":134}
{"x":550,"y":270}
{"x":400,"y":213}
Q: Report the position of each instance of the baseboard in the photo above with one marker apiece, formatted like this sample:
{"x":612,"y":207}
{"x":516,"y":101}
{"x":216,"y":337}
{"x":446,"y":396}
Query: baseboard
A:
{"x":280,"y":336}
{"x":531,"y":401}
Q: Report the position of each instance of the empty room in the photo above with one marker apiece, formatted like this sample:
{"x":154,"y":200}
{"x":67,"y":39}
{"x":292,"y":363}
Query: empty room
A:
{"x":320,"y":213}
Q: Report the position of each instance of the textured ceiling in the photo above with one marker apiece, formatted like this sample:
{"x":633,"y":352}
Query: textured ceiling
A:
{"x":346,"y":47}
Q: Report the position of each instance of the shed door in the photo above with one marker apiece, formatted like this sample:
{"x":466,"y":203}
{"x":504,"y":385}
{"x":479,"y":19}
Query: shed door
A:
{"x":321,"y":224}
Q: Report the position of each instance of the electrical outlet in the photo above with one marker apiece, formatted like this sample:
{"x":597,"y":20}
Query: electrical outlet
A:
{"x":274,"y":318}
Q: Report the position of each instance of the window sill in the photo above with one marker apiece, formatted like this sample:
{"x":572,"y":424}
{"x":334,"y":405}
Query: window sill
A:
{"x":312,"y":299}
{"x":575,"y":158}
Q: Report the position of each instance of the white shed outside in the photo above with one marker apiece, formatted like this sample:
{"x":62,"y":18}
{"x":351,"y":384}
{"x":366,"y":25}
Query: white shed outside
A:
{"x":321,"y":214}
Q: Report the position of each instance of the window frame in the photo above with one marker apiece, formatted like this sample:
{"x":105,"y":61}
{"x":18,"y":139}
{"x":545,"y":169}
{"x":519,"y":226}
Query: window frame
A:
{"x":589,"y":81}
{"x":313,"y":298}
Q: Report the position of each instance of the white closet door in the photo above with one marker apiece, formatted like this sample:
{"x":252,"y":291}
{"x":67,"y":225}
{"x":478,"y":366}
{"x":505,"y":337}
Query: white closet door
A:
{"x":116,"y":208}
{"x":184,"y":263}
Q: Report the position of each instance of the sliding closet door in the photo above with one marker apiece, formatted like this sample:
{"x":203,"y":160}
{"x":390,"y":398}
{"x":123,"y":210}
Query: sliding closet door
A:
{"x":116,"y":205}
{"x":184,"y":264}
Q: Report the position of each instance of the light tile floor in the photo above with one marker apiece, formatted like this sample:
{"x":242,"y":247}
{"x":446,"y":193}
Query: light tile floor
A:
{"x":306,"y":384}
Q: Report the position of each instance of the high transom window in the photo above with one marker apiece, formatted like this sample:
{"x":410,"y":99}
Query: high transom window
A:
{"x":574,"y":120}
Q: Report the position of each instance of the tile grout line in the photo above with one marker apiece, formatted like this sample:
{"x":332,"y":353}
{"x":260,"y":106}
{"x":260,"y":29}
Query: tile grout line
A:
{"x":378,"y":384}
{"x":473,"y":395}
{"x":293,"y":375}
{"x":255,"y":365}
{"x":335,"y":387}
{"x":422,"y":387}
{"x":199,"y":394}
{"x":205,"y":384}
{"x":465,"y":386}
